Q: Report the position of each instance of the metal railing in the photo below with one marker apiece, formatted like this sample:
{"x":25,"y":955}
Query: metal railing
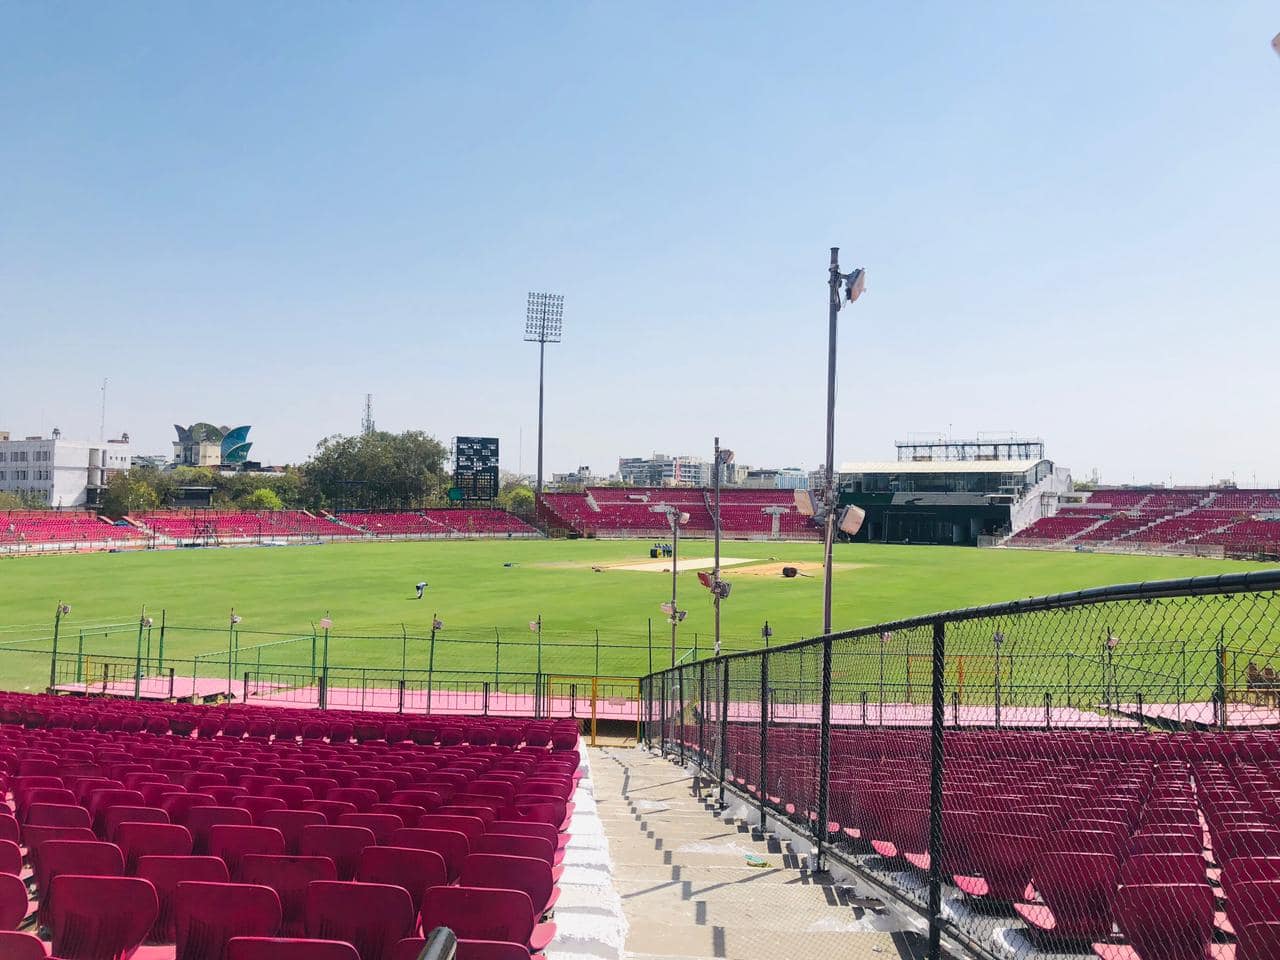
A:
{"x":903,"y":748}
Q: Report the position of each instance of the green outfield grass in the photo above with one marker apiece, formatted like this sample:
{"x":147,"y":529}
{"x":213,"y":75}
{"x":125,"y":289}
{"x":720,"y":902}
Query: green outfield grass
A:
{"x":367,"y":590}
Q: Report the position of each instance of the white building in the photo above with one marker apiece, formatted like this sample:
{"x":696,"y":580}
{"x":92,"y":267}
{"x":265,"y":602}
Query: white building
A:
{"x":59,"y":472}
{"x":662,"y":470}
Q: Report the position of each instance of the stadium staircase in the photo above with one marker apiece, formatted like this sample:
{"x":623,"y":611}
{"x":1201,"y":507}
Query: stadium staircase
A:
{"x":695,"y":885}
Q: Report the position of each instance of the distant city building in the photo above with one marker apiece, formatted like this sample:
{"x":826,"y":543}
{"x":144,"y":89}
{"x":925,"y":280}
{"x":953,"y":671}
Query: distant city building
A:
{"x":59,"y":472}
{"x":661,"y":470}
{"x":784,"y":478}
{"x":204,"y":445}
{"x":582,"y":477}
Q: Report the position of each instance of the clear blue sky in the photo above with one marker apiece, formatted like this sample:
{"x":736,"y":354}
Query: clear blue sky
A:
{"x":257,"y":212}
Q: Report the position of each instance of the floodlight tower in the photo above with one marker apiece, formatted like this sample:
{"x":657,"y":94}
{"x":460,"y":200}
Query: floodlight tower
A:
{"x":853,"y":283}
{"x":543,"y":324}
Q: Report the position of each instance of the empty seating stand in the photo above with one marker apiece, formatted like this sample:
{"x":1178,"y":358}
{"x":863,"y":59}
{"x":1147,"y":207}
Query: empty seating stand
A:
{"x":209,"y":843}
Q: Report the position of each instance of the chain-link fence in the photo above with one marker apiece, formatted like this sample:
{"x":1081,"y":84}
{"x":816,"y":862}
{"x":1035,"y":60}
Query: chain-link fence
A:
{"x":1089,"y":773}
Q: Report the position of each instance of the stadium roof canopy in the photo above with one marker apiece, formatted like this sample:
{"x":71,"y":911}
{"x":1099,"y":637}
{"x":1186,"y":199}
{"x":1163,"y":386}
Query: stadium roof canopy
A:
{"x":940,"y":466}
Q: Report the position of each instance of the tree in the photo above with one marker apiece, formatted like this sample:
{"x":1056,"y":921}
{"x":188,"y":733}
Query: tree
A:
{"x":264,"y":498}
{"x":129,"y":492}
{"x":21,"y":501}
{"x":375,"y":470}
{"x":516,"y":497}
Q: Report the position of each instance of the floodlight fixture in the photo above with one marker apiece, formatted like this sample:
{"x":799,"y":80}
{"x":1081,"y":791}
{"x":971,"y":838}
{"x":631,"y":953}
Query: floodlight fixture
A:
{"x":544,"y":318}
{"x":805,"y":504}
{"x":851,"y":518}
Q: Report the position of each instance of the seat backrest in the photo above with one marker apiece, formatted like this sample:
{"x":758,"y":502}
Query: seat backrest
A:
{"x":13,"y":901}
{"x":99,"y":918}
{"x":407,"y":812}
{"x":1166,"y":921}
{"x":10,"y":858}
{"x":527,"y":828}
{"x":470,"y":827}
{"x":341,"y":844}
{"x":372,"y":917}
{"x":513,"y":845}
{"x":289,"y":877}
{"x":332,"y":809}
{"x":290,"y":823}
{"x":115,"y":816}
{"x":201,"y":820}
{"x":286,"y":948}
{"x":359,"y":797}
{"x":57,"y":815}
{"x":382,"y":824}
{"x":1079,"y":888}
{"x":1258,"y":941}
{"x":86,"y":857}
{"x":414,"y":870}
{"x":165,"y":873}
{"x":21,"y":946}
{"x":475,"y":913}
{"x":1253,"y":901}
{"x":137,"y":839}
{"x":208,"y":915}
{"x":452,"y":846}
{"x":231,"y":842}
{"x":1165,"y":843}
{"x":505,"y":872}
{"x":1149,"y":868}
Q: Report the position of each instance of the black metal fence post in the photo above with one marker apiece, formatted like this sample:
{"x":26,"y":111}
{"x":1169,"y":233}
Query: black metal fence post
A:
{"x":764,"y":738}
{"x":702,"y":714}
{"x":662,"y":716}
{"x":936,"y":836}
{"x":724,"y":726}
{"x":680,"y":727}
{"x":824,"y":759}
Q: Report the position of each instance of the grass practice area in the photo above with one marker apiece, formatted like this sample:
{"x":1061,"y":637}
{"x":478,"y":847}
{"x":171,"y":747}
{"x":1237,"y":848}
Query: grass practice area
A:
{"x":487,"y":592}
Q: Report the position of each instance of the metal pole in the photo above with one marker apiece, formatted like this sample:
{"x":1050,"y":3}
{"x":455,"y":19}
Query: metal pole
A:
{"x":702,"y":716}
{"x":542,"y":352}
{"x":824,"y":760}
{"x":137,"y":660}
{"x":883,"y":642}
{"x":53,"y":659}
{"x":829,"y":535}
{"x":651,"y":646}
{"x":404,"y":660}
{"x":538,"y":705}
{"x":324,"y":673}
{"x":937,"y":839}
{"x":724,"y":726}
{"x":597,"y":652}
{"x":231,"y":639}
{"x":431,"y":660}
{"x":160,"y":650}
{"x":764,"y":737}
{"x":680,"y":712}
{"x":715,"y":573}
{"x":497,"y":656}
{"x":675,"y":561}
{"x":996,"y":642}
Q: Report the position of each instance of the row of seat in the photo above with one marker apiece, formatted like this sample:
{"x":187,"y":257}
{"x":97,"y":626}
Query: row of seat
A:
{"x":369,"y":842}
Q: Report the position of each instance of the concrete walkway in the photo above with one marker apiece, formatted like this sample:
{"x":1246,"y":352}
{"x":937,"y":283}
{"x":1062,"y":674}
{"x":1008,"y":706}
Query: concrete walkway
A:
{"x":689,"y":891}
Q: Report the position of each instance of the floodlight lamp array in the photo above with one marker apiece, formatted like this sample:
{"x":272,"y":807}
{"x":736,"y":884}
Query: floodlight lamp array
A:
{"x":544,"y":318}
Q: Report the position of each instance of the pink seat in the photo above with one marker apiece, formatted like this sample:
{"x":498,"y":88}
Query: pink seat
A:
{"x":13,"y":901}
{"x":451,"y":845}
{"x":165,"y":873}
{"x":342,"y":845}
{"x":290,"y":823}
{"x":57,"y":815}
{"x":1172,"y":921}
{"x":474,"y":913}
{"x":137,"y":840}
{"x":21,"y":946}
{"x":99,"y":918}
{"x":1077,"y":889}
{"x":10,"y":858}
{"x":285,"y":948}
{"x":82,"y":857}
{"x":201,"y":820}
{"x":517,"y":846}
{"x":359,"y":797}
{"x":125,"y":814}
{"x":332,"y":809}
{"x":504,"y":872}
{"x":414,"y":870}
{"x":232,"y":842}
{"x":372,"y":917}
{"x":289,"y":877}
{"x":258,"y":806}
{"x":209,"y":915}
{"x":471,"y":827}
{"x":383,"y":825}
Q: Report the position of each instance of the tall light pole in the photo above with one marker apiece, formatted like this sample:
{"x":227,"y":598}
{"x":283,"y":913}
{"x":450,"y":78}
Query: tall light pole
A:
{"x":543,"y":324}
{"x":674,"y":519}
{"x":722,"y":459}
{"x":853,"y":284}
